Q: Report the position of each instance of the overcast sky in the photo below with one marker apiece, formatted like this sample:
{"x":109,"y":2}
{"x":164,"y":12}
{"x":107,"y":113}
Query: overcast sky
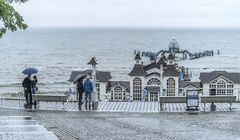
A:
{"x":153,"y":13}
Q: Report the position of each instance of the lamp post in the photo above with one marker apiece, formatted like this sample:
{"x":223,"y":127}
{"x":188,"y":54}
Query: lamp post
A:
{"x":94,"y":62}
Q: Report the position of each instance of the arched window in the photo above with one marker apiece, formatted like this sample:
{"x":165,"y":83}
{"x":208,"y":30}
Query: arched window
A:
{"x":153,"y":81}
{"x":137,"y":89}
{"x":170,"y":87}
{"x":118,"y":93}
{"x":221,"y":86}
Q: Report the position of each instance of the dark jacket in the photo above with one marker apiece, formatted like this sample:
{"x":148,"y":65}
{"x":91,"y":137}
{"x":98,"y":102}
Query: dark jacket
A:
{"x":88,"y":86}
{"x":27,"y":83}
{"x":80,"y":88}
{"x":34,"y":83}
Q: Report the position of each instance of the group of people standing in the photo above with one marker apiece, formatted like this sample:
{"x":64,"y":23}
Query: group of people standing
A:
{"x":30,"y":87}
{"x":85,"y":85}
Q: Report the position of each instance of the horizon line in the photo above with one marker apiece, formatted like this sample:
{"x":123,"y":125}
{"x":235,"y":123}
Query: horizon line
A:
{"x":136,"y":27}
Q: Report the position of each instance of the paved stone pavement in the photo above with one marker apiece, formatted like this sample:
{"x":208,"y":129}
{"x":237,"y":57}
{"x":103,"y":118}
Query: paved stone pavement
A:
{"x":23,"y":128}
{"x":68,"y":125}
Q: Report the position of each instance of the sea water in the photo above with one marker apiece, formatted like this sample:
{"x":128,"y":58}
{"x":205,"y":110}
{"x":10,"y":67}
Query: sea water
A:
{"x":55,"y":52}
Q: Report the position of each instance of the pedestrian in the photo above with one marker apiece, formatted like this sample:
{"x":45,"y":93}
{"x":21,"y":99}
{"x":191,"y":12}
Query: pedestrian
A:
{"x":88,"y":89}
{"x":80,"y":91}
{"x":34,"y":87}
{"x":213,"y":107}
{"x":71,"y":94}
{"x":144,"y":94}
{"x":27,"y":85}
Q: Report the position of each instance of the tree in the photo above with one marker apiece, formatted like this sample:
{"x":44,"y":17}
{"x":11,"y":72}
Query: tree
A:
{"x":10,"y":18}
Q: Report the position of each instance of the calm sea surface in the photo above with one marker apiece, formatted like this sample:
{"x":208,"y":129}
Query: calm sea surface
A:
{"x":55,"y":52}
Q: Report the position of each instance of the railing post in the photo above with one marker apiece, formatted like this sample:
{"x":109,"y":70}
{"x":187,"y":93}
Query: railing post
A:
{"x":161,"y":104}
{"x":205,"y":104}
{"x":230,"y":106}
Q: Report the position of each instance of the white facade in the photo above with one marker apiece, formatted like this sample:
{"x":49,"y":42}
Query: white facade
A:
{"x":221,"y":86}
{"x":103,"y":91}
{"x":118,"y":93}
{"x":165,"y":81}
{"x":156,"y":84}
{"x":183,"y":91}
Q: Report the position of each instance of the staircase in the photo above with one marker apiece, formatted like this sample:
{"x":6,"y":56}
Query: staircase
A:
{"x":23,"y":128}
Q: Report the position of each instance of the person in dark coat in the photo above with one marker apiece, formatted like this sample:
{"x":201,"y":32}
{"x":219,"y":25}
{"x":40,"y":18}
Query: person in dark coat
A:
{"x":27,"y":85}
{"x":80,"y":91}
{"x":88,"y":89}
{"x":34,"y":87}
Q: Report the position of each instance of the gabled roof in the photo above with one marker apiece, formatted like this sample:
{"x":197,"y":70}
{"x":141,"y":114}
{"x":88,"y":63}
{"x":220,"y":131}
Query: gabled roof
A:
{"x":183,"y":84}
{"x":206,"y":77}
{"x":93,"y":61}
{"x":171,"y":70}
{"x":162,"y":62}
{"x":101,"y":76}
{"x":137,"y":71}
{"x":137,"y":57}
{"x":170,"y":57}
{"x":151,"y":66}
{"x":164,"y":57}
{"x":125,"y":84}
{"x":154,"y":73}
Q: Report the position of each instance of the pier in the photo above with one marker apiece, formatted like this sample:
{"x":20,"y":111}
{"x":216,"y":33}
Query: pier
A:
{"x":180,"y":54}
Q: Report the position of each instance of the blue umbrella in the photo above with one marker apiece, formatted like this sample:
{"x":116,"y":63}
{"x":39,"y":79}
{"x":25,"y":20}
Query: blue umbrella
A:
{"x":30,"y":71}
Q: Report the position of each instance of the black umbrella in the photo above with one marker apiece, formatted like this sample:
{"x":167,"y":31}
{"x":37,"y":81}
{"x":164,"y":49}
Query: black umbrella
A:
{"x":78,"y":77}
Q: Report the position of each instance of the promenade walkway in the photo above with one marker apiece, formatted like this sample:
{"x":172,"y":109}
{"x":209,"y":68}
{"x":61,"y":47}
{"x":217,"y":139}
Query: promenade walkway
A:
{"x":85,"y":125}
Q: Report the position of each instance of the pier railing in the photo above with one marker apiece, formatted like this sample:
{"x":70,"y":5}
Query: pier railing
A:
{"x":19,"y":91}
{"x":16,"y":94}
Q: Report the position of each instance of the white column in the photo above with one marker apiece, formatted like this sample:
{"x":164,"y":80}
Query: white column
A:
{"x":94,"y":85}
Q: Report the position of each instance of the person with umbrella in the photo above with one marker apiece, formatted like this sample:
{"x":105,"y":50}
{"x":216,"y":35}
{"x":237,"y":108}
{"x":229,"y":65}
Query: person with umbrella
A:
{"x":34,"y":87}
{"x":79,"y":84}
{"x":28,"y":84}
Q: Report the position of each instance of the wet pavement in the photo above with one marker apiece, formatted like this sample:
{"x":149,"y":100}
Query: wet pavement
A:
{"x":69,"y":125}
{"x":23,"y":128}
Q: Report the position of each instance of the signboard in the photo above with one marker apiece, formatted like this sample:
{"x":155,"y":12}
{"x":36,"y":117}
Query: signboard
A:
{"x":192,"y":99}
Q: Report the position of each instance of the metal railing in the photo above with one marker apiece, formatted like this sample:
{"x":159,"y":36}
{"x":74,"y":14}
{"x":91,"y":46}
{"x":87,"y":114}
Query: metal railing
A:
{"x":17,"y":93}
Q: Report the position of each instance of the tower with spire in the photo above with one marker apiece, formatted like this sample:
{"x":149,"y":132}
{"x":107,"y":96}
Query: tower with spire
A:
{"x":137,"y":78}
{"x":171,"y":59}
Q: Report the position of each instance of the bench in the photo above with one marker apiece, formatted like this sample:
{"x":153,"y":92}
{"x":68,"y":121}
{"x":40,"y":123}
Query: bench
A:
{"x":50,"y":98}
{"x":218,"y":99}
{"x":171,"y":99}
